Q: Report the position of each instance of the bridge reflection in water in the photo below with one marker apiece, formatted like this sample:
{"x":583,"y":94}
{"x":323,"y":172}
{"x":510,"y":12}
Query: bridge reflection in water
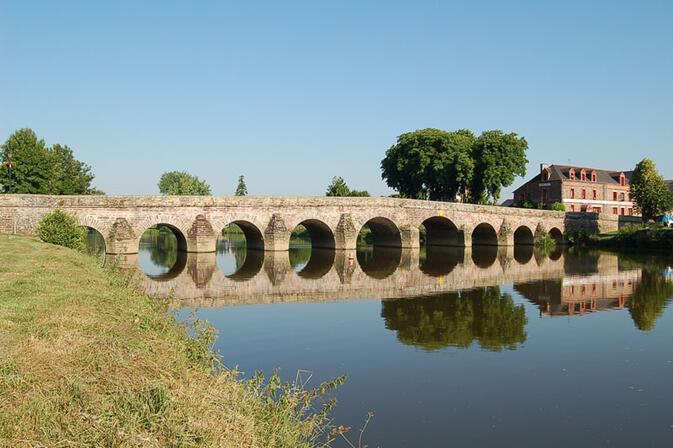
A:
{"x":558,"y":283}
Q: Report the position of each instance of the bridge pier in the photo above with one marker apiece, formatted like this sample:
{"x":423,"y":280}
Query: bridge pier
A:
{"x":276,"y":234}
{"x":345,"y":234}
{"x":200,"y":236}
{"x":409,"y":237}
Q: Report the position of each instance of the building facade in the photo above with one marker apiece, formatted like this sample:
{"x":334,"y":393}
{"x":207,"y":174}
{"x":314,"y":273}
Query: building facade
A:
{"x":580,"y":189}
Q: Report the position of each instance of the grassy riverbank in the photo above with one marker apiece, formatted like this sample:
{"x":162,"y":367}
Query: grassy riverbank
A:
{"x":87,"y":360}
{"x":634,"y":237}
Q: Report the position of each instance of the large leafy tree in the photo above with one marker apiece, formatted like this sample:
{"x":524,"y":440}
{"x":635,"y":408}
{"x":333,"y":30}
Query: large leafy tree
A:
{"x":649,"y":190}
{"x":430,"y":163}
{"x":182,"y":183}
{"x":37,"y":169}
{"x":338,"y":187}
{"x":498,"y":158}
{"x":33,"y":167}
{"x":73,"y":176}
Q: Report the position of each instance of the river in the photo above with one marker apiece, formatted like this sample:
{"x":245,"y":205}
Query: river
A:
{"x":446,"y":346}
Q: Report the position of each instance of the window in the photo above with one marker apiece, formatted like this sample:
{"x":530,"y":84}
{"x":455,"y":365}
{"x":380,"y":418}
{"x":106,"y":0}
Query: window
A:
{"x":583,"y":175}
{"x":594,"y":195}
{"x":597,"y":209}
{"x":622,"y":211}
{"x":614,"y":195}
{"x":629,"y":197}
{"x":571,"y":174}
{"x":545,"y":175}
{"x":593,"y":176}
{"x":614,"y":211}
{"x":572,"y":193}
{"x":630,"y":211}
{"x":622,"y":179}
{"x":621,"y":196}
{"x":584,"y":193}
{"x":572,"y":207}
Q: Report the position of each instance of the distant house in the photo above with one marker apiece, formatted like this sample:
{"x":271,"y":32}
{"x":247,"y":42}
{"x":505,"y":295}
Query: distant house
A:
{"x":579,"y":189}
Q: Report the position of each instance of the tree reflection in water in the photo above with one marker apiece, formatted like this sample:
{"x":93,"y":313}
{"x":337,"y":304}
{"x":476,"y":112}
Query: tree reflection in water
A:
{"x":649,"y":300}
{"x":458,"y":319}
{"x":162,"y":246}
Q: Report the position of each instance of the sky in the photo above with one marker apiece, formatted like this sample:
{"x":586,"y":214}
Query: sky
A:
{"x":290,"y":94}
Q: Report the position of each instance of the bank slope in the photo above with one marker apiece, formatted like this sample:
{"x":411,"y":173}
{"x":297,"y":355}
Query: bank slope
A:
{"x":87,"y":360}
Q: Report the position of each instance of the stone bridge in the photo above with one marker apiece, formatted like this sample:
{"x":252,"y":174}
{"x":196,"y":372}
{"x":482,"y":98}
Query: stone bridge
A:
{"x":333,"y":222}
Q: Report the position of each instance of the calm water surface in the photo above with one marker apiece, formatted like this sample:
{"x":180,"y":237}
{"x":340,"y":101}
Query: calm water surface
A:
{"x":448,"y":347}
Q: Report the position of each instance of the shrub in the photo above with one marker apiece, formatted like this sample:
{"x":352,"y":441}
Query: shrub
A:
{"x":558,"y":206}
{"x":546,"y":243}
{"x":61,"y":228}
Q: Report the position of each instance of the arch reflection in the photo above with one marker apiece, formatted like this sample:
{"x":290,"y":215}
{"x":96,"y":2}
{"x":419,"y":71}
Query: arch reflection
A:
{"x":162,"y":252}
{"x":240,"y":253}
{"x":436,"y":260}
{"x":311,"y":251}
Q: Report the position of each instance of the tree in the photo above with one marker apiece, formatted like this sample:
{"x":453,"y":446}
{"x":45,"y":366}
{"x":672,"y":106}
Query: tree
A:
{"x":241,"y":189}
{"x":37,"y":169}
{"x":430,"y":163}
{"x":338,"y":187}
{"x":182,"y":183}
{"x":498,"y":158}
{"x":649,"y":190}
{"x":74,"y":177}
{"x":33,"y":167}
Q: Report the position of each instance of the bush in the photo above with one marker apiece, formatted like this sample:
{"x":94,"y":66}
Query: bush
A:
{"x":558,"y":206}
{"x":61,"y":228}
{"x":546,"y":243}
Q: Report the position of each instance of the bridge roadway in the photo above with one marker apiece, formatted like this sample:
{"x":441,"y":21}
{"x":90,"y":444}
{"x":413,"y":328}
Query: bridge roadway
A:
{"x":198,"y":282}
{"x":333,"y":222}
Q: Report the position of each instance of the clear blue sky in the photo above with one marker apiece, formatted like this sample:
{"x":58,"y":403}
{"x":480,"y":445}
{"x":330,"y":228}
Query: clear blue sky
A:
{"x":292,"y":93}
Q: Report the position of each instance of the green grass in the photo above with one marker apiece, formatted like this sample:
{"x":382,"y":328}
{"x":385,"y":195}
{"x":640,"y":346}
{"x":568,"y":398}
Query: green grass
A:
{"x":645,"y":237}
{"x":88,"y":360}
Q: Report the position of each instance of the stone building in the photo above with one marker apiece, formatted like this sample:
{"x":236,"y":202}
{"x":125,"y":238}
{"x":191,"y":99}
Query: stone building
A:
{"x":580,"y":189}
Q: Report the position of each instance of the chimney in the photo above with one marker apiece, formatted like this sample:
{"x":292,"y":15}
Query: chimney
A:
{"x":543,"y":166}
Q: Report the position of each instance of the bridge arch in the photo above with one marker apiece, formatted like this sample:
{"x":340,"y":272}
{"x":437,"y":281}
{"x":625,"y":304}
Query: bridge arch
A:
{"x":484,"y":235}
{"x":312,"y":248}
{"x":320,"y":233}
{"x":441,"y":231}
{"x":179,"y":234}
{"x":523,"y":236}
{"x":240,"y":246}
{"x":555,"y":233}
{"x":253,"y":236}
{"x":95,"y":242}
{"x":162,"y":251}
{"x":384,"y":232}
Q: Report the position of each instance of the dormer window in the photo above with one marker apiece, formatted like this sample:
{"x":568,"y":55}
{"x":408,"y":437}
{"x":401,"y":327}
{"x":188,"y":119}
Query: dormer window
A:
{"x":622,"y":179}
{"x":545,"y":175}
{"x":571,"y":174}
{"x":593,"y":176}
{"x":583,"y":175}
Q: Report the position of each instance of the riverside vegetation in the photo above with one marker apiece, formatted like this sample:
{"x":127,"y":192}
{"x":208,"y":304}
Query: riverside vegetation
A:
{"x":89,"y":360}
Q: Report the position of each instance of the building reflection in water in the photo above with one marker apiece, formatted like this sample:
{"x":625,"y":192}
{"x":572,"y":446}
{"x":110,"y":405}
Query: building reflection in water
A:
{"x":568,"y":284}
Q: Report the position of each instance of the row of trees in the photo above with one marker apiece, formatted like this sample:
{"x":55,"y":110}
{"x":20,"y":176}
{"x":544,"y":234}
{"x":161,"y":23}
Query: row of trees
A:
{"x":441,"y":165}
{"x":338,"y":187}
{"x":38,"y":169}
{"x":183,"y":183}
